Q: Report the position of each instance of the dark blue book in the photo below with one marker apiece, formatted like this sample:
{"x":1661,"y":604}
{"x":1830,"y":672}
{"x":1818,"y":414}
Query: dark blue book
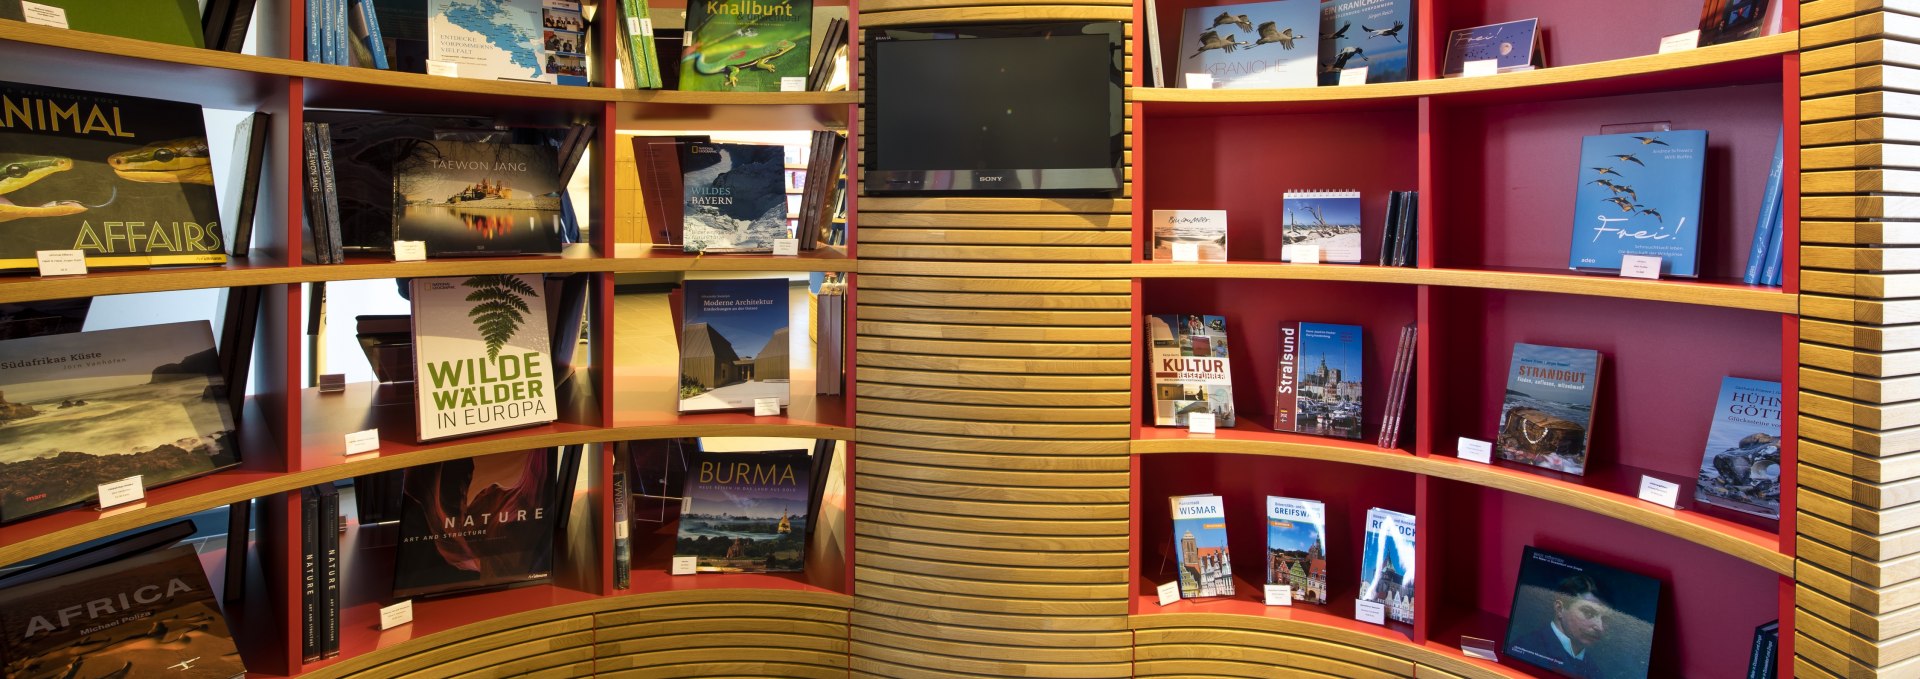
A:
{"x":368,"y":32}
{"x":316,"y":53}
{"x":1376,"y":35}
{"x":1639,"y":194}
{"x":735,"y":197}
{"x":1512,"y":46}
{"x":1769,"y":214}
{"x":1770,"y":274}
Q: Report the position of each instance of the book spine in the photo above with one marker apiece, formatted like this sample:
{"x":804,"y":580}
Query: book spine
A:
{"x":239,"y":523}
{"x":1402,"y":377}
{"x":1153,"y":44}
{"x":1391,"y":230}
{"x":213,"y":22}
{"x":241,"y":20}
{"x":634,"y":31}
{"x":622,"y":540}
{"x":342,"y":35}
{"x":250,"y":188}
{"x":1776,"y":251}
{"x":1407,"y":248}
{"x":376,"y":45}
{"x":330,"y":591}
{"x":649,"y":52}
{"x":1393,"y":393}
{"x":1763,"y":228}
{"x":309,"y":575}
{"x":1286,"y":390}
{"x":316,"y":192}
{"x":315,"y":54}
{"x":335,"y":253}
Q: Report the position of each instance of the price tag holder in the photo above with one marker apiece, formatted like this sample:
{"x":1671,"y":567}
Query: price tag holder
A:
{"x":1185,"y":252}
{"x":443,"y":68}
{"x":396,"y":615}
{"x":1680,"y":42}
{"x":1476,"y":450}
{"x":365,"y":441}
{"x":1306,"y":254}
{"x":620,"y":530}
{"x":1663,"y":493}
{"x":43,"y":15}
{"x":1200,"y":423}
{"x":1279,"y":595}
{"x":1370,"y":611}
{"x":333,"y":383}
{"x":1199,"y":81}
{"x":62,"y":262}
{"x":116,"y":493}
{"x":1169,"y":593}
{"x":766,"y":406}
{"x":1640,"y":266}
{"x":684,"y":565}
{"x":1477,"y":647}
{"x":793,"y":83}
{"x":409,"y":250}
{"x":1353,"y":76}
{"x":786,"y":247}
{"x":1480,"y":67}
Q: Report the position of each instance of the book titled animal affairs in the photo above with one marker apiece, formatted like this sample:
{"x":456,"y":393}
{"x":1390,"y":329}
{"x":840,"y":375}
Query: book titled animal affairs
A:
{"x":480,"y":354}
{"x":125,"y":180}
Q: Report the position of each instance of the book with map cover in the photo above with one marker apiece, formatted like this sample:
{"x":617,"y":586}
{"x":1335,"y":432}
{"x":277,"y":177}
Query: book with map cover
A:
{"x":746,"y":45}
{"x":746,"y":512}
{"x":487,"y":40}
{"x":1191,"y":372}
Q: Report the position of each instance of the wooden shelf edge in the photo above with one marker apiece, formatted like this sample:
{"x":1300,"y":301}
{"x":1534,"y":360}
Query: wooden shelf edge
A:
{"x":1383,"y":642}
{"x":1675,"y":291}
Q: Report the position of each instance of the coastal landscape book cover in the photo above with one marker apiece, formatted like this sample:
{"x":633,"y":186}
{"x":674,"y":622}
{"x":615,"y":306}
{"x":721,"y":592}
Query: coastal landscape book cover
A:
{"x":481,"y":354}
{"x":1546,"y":417}
{"x":1329,"y":220}
{"x":475,"y":523}
{"x":468,"y":198}
{"x":746,"y":512}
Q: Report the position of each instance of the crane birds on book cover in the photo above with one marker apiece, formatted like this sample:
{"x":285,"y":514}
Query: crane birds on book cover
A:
{"x":1258,"y":44}
{"x":1374,"y":34}
{"x":1639,"y":194}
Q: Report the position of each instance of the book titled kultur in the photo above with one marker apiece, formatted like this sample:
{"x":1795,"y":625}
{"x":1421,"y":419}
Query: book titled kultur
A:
{"x":1319,"y":379}
{"x":467,"y":198}
{"x":1581,"y":619}
{"x":746,"y":511}
{"x":481,"y":360}
{"x":1250,"y":45}
{"x":746,"y":45}
{"x":1639,"y":194}
{"x":734,"y":346}
{"x":1329,"y":220}
{"x":1200,"y":544}
{"x":1297,"y":547}
{"x":475,"y":523}
{"x":1373,"y":34}
{"x":1190,"y":368}
{"x":1205,"y":230}
{"x":1546,"y":417}
{"x":1387,"y":562}
{"x":1741,"y":467}
{"x":735,"y":197}
{"x":147,"y":616}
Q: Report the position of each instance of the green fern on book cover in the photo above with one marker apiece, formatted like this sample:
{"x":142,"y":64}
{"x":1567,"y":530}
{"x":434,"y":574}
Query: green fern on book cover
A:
{"x":746,"y":45}
{"x":481,"y":354}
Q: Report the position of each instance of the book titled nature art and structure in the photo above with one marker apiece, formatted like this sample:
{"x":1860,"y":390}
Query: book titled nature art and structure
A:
{"x":481,"y":360}
{"x":734,"y":346}
{"x":1190,"y":369}
{"x":475,"y":523}
{"x":746,"y":511}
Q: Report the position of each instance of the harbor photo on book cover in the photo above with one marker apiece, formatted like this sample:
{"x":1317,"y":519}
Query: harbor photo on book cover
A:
{"x":1319,"y":386}
{"x":1741,"y":467}
{"x":734,"y":346}
{"x":1386,"y":562}
{"x":466,"y":198}
{"x":1547,"y":413}
{"x":1296,"y":547}
{"x":1639,"y":194}
{"x":1257,"y":44}
{"x":735,"y":200}
{"x":475,"y":523}
{"x":481,"y":360}
{"x":147,"y":615}
{"x":1200,"y":543}
{"x":1581,"y":619}
{"x":746,"y":511}
{"x":1191,"y":373}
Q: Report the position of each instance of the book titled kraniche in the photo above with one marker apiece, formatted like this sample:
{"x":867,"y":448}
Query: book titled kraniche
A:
{"x":746,"y":511}
{"x":1200,"y":544}
{"x":466,"y":198}
{"x":1319,"y":383}
{"x":1386,"y":563}
{"x":1191,"y":372}
{"x":1639,"y":194}
{"x":747,"y":45}
{"x":126,"y":181}
{"x":735,"y":197}
{"x":734,"y":344}
{"x":1547,"y":416}
{"x":1251,"y":45}
{"x":475,"y":523}
{"x":1741,"y":467}
{"x":1376,"y":35}
{"x":481,"y":354}
{"x":1581,"y":619}
{"x":149,"y":615}
{"x":1297,"y":547}
{"x":1328,"y":220}
{"x":1204,"y":230}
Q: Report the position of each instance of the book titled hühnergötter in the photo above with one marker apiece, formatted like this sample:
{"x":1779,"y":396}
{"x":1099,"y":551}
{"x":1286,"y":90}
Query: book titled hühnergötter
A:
{"x":1546,"y":417}
{"x":1297,"y":547}
{"x":1319,"y":379}
{"x":1251,"y":45}
{"x":1200,"y":544}
{"x":746,"y":45}
{"x":1639,"y":194}
{"x":736,"y":199}
{"x":466,"y":198}
{"x":1373,"y":34}
{"x":475,"y":523}
{"x":480,"y":354}
{"x":1741,"y":467}
{"x":734,"y":346}
{"x":127,"y":181}
{"x":1581,"y":619}
{"x":1386,"y":562}
{"x":1191,"y":372}
{"x":746,"y":511}
{"x":486,"y":39}
{"x":147,"y":616}
{"x":79,"y":410}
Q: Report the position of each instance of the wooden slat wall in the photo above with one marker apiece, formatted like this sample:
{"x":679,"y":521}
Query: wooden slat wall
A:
{"x":709,"y":633}
{"x":1857,"y":598}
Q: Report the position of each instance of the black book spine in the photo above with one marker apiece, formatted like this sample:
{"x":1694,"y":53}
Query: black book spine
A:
{"x":239,"y":523}
{"x":316,"y":192}
{"x":213,"y":23}
{"x":330,"y":588}
{"x":242,"y":19}
{"x":309,"y":575}
{"x":256,"y":152}
{"x":622,"y":541}
{"x":336,"y":253}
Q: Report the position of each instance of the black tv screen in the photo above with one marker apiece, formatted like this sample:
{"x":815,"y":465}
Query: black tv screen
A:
{"x":995,"y":109}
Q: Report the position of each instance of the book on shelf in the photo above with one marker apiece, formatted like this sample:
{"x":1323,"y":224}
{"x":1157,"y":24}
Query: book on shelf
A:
{"x":224,"y":24}
{"x":376,"y":496}
{"x":239,"y":543}
{"x":89,"y":408}
{"x":1403,"y":365}
{"x":329,"y":525}
{"x":830,"y":345}
{"x":368,"y":147}
{"x":1771,"y":271}
{"x":1724,"y":21}
{"x":1399,"y":233}
{"x":175,"y":22}
{"x":246,"y":161}
{"x":656,"y":159}
{"x":1205,"y":230}
{"x":125,"y":180}
{"x":829,"y":70}
{"x":148,"y":615}
{"x":1319,"y":381}
{"x":1155,"y":56}
{"x":1251,"y":45}
{"x":1639,"y":194}
{"x":1577,"y":618}
{"x":1546,"y":417}
{"x":1328,"y":220}
{"x":363,"y":29}
{"x":1512,"y":46}
{"x":564,"y":35}
{"x":487,"y":40}
{"x":336,"y":249}
{"x":1387,"y":562}
{"x":734,"y":200}
{"x":469,"y":198}
{"x":636,"y":45}
{"x":1190,"y":368}
{"x":321,"y":205}
{"x":1741,"y":467}
{"x":43,"y":317}
{"x":1200,"y":546}
{"x":475,"y":523}
{"x":1763,"y":661}
{"x":734,"y":344}
{"x":742,"y":512}
{"x":747,"y":46}
{"x":826,"y":156}
{"x":1297,"y":547}
{"x":622,"y":523}
{"x":481,"y":354}
{"x":1376,"y":35}
{"x":311,"y":619}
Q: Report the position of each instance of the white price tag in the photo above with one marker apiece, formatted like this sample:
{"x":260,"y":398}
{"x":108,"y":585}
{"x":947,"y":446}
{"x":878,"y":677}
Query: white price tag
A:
{"x":686,"y":504}
{"x":766,"y":406}
{"x":363,"y":441}
{"x":1279,"y":595}
{"x":786,"y":247}
{"x":409,"y":250}
{"x":116,"y":493}
{"x":1663,"y":493}
{"x":62,"y":262}
{"x":1353,"y":76}
{"x":1200,"y":423}
{"x":44,"y":15}
{"x":396,"y":615}
{"x":1476,"y":450}
{"x":633,"y":25}
{"x":1199,"y":81}
{"x":684,"y":565}
{"x":646,"y":27}
{"x":1479,"y":68}
{"x":1640,"y":266}
{"x":1680,"y":42}
{"x":1477,"y":647}
{"x":1169,"y":593}
{"x":1185,"y":252}
{"x":443,"y":68}
{"x":793,"y":83}
{"x":333,"y":382}
{"x":1305,"y":254}
{"x":620,"y":530}
{"x":1369,"y":611}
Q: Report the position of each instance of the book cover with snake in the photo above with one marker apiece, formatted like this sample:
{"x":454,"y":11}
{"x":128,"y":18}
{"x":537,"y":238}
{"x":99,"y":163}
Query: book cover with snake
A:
{"x":746,"y":45}
{"x":127,"y":181}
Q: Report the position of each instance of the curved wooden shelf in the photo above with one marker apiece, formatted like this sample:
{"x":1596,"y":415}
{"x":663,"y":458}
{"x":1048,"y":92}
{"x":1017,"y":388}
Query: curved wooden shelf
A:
{"x":1183,"y":638}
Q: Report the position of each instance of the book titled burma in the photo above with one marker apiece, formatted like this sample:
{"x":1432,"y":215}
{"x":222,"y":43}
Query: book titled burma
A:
{"x":736,"y":198}
{"x":734,"y":346}
{"x":480,"y":355}
{"x":1386,"y":562}
{"x":1547,"y":415}
{"x":125,"y":180}
{"x":1376,"y":35}
{"x":1297,"y":547}
{"x":1741,"y":467}
{"x":1319,"y":382}
{"x":746,"y":512}
{"x":1200,"y":536}
{"x":475,"y":523}
{"x":82,"y":409}
{"x":1639,"y":194}
{"x":468,"y":198}
{"x":746,"y":45}
{"x":1251,"y":45}
{"x":146,"y":616}
{"x":1191,"y":373}
{"x":1581,"y":619}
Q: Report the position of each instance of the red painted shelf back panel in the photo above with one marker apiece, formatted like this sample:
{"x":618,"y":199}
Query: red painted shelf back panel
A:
{"x":1578,"y":32}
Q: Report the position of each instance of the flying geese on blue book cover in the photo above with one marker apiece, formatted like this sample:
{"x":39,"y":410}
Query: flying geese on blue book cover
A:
{"x":1639,"y":194}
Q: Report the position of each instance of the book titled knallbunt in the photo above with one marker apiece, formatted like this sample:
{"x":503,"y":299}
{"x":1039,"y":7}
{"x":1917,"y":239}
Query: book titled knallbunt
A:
{"x":1386,"y":562}
{"x":147,"y":616}
{"x":1191,"y":372}
{"x":1319,"y":381}
{"x":1547,"y":416}
{"x":746,"y":45}
{"x":1297,"y":547}
{"x":475,"y":523}
{"x":1741,"y":467}
{"x":1200,"y":541}
{"x":1250,"y":45}
{"x":481,"y":360}
{"x":734,"y":346}
{"x":1639,"y":194}
{"x":746,"y":511}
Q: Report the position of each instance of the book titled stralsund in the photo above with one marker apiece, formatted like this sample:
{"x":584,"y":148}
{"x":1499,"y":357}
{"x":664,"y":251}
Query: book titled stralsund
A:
{"x":481,"y":359}
{"x":1200,"y":544}
{"x":1639,"y":194}
{"x":1319,"y":381}
{"x":1376,"y":35}
{"x":1328,"y":220}
{"x":736,"y":200}
{"x":475,"y":523}
{"x":1204,"y":230}
{"x":1741,"y":467}
{"x":1297,"y":547}
{"x":1547,"y":415}
{"x":1250,"y":45}
{"x":746,"y":512}
{"x":734,"y":346}
{"x":468,"y":198}
{"x":1387,"y":563}
{"x":1191,"y":372}
{"x":1581,"y":619}
{"x":746,"y":45}
{"x":125,"y":180}
{"x":147,"y":616}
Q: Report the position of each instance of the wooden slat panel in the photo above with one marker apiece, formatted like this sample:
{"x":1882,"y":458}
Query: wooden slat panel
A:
{"x":1035,"y":479}
{"x":886,"y":606}
{"x":1041,"y":366}
{"x":1115,"y":432}
{"x":870,"y":205}
{"x":991,"y":349}
{"x":990,"y":253}
{"x":1038,"y":399}
{"x":885,"y":484}
{"x":996,"y":333}
{"x":1036,"y":239}
{"x":923,"y":658}
{"x":993,"y":445}
{"x":1057,"y":286}
{"x":1075,"y":576}
{"x":994,"y":301}
{"x":1073,"y":221}
{"x":993,"y":413}
{"x":997,"y":557}
{"x":943,"y":505}
{"x":985,"y":381}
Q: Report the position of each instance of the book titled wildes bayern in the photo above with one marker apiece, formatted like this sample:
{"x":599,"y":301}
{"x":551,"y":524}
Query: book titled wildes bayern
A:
{"x":466,"y":198}
{"x":1386,"y":562}
{"x":83,"y":409}
{"x":474,"y":523}
{"x":1297,"y":547}
{"x":746,"y":45}
{"x":1200,"y":536}
{"x":143,"y":617}
{"x":1547,"y":415}
{"x":1374,"y":34}
{"x":734,"y":346}
{"x":1191,"y":372}
{"x":1258,"y":44}
{"x":746,"y":512}
{"x":1741,"y":467}
{"x":481,"y":354}
{"x":1319,"y":380}
{"x":1639,"y":194}
{"x":127,"y":181}
{"x":736,"y":200}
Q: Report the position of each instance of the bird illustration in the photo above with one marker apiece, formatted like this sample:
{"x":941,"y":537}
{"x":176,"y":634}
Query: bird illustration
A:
{"x":1285,"y":38}
{"x":1336,"y":35}
{"x":1625,"y":205}
{"x":1655,"y":213}
{"x":1603,"y":181}
{"x":1629,"y":158}
{"x":1390,"y":32}
{"x":1604,"y":171}
{"x":1650,"y":140}
{"x":1227,"y":19}
{"x":1618,"y":189}
{"x":1211,"y":40}
{"x":1340,"y":60}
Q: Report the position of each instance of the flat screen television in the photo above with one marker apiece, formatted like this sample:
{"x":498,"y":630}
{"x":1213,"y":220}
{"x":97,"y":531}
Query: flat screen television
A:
{"x":995,"y":109}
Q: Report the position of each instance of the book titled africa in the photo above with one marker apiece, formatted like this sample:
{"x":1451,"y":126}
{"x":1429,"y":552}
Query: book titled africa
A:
{"x":1386,"y":562}
{"x":1191,"y":373}
{"x":1639,"y":194}
{"x":480,"y":354}
{"x":125,"y":180}
{"x":1546,"y":418}
{"x":746,"y":45}
{"x":1251,"y":45}
{"x":746,"y":512}
{"x":146,"y":616}
{"x":1741,"y":467}
{"x":736,"y":198}
{"x":475,"y":523}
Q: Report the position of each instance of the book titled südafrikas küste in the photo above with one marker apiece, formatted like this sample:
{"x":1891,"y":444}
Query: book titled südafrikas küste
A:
{"x":125,"y":180}
{"x":1639,"y":194}
{"x":746,"y":512}
{"x":1190,"y":369}
{"x":82,"y":409}
{"x":481,"y":359}
{"x":475,"y":523}
{"x":735,"y":197}
{"x":143,"y":617}
{"x":1546,"y":417}
{"x":1741,"y":467}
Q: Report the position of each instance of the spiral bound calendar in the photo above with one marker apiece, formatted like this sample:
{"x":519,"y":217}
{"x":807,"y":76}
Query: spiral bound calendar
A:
{"x":1327,"y":219}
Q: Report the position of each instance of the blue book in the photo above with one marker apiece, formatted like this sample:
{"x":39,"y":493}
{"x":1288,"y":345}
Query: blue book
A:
{"x":1639,"y":194}
{"x":1318,"y":385}
{"x":1258,"y":44}
{"x":1373,"y":34}
{"x":1546,"y":417}
{"x":1770,"y":275}
{"x":370,"y":23}
{"x":1200,"y":535}
{"x":342,"y":34}
{"x":1741,"y":467}
{"x":1769,"y":210}
{"x":735,"y":196}
{"x":1297,"y":547}
{"x":1386,"y":562}
{"x":315,"y":53}
{"x":1512,"y":46}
